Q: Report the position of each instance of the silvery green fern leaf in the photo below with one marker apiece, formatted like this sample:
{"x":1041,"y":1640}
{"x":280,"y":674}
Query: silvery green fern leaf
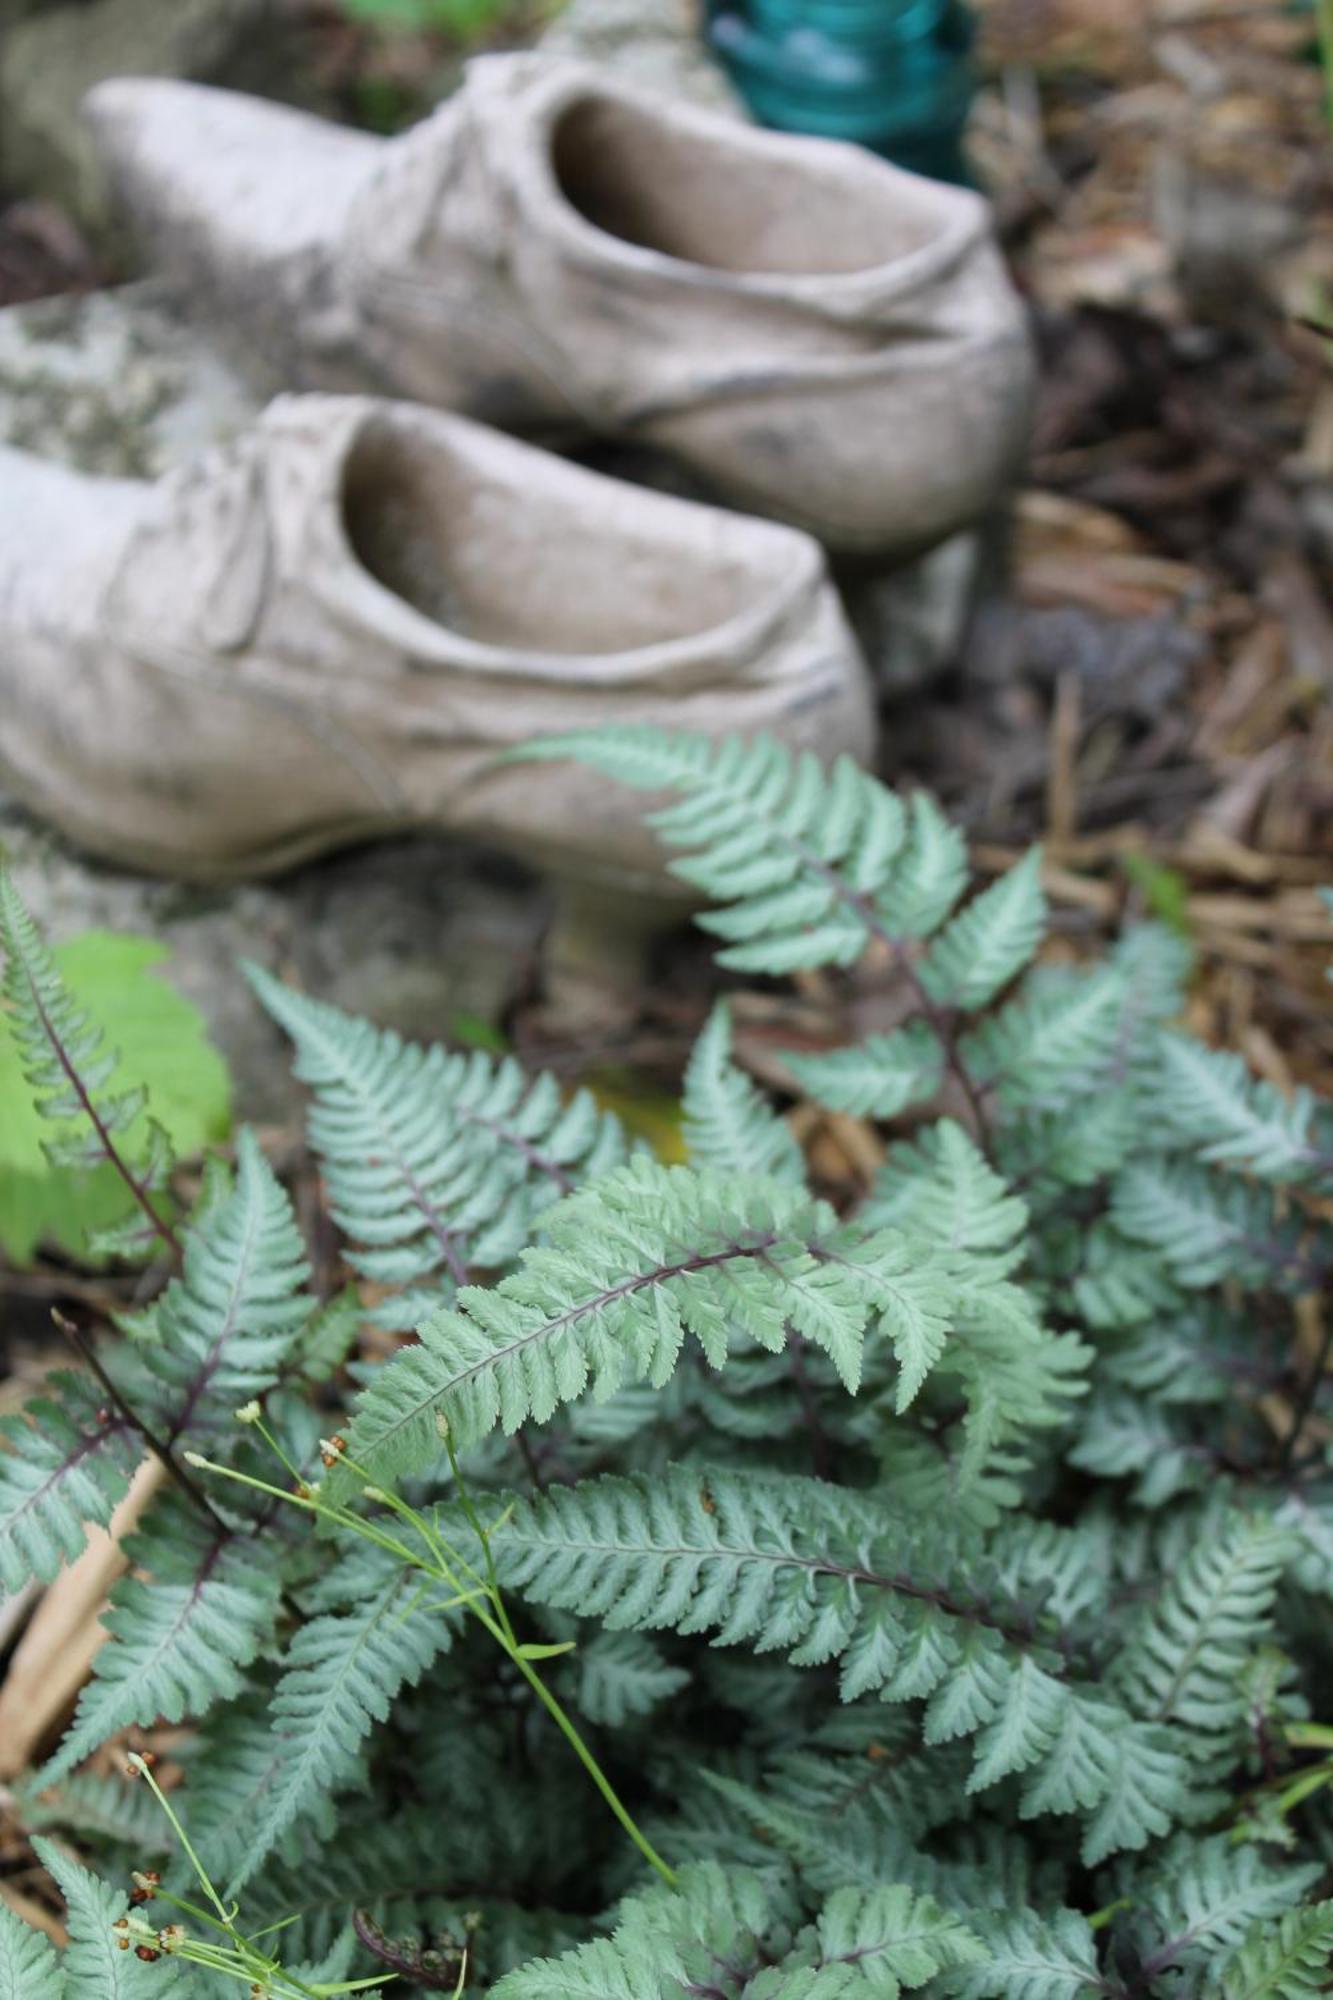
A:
{"x":94,"y":1966}
{"x":342,"y":1673}
{"x":1030,"y":1956}
{"x":1198,"y":1900}
{"x":1184,"y":1664}
{"x":1286,"y":1960}
{"x":810,"y":864}
{"x":621,"y":1676}
{"x":72,"y":1076}
{"x":1212,"y":1104}
{"x":29,"y":1967}
{"x":870,"y":1944}
{"x":876,"y":1078}
{"x":988,"y":943}
{"x":631,"y":1266}
{"x":435,"y":1163}
{"x":729,"y":1126}
{"x":67,"y":1464}
{"x":222,"y":1331}
{"x":180,"y":1632}
{"x":790,"y":1565}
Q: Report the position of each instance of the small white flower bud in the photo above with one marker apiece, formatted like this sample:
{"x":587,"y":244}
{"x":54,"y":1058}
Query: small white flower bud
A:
{"x":249,"y":1413}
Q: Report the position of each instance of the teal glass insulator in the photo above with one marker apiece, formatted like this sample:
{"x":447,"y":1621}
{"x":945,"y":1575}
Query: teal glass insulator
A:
{"x":895,"y":75}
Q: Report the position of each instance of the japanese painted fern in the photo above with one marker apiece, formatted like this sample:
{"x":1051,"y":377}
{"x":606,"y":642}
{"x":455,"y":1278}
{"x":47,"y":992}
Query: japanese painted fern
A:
{"x":931,"y":1588}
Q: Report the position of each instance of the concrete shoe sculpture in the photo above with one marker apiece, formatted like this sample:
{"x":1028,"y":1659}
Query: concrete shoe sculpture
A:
{"x":329,"y":629}
{"x":816,"y":334}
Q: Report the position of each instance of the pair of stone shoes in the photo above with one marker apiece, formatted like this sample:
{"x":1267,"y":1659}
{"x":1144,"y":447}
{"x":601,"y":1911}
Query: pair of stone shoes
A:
{"x":331,"y":629}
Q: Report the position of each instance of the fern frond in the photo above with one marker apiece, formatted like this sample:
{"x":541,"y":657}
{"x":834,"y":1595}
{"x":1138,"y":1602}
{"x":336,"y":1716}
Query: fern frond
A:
{"x":622,"y":1676}
{"x":1211,"y":1102}
{"x":236,"y":1764}
{"x":1186,"y":1661}
{"x":434,"y":1163}
{"x":789,"y":1565}
{"x":65,"y":1466}
{"x":876,"y":1078}
{"x":988,"y":943}
{"x":72,"y":1076}
{"x":1055,"y":1041}
{"x":1151,"y":1788}
{"x":222,"y":1331}
{"x":404,"y":1865}
{"x":180,"y":1632}
{"x":342,"y":1673}
{"x":1030,"y":1956}
{"x":1208,"y":1226}
{"x":631,"y":1265}
{"x":112,"y":1811}
{"x":729,"y":1126}
{"x":862,"y":1839}
{"x":870,"y":1944}
{"x":1201,"y":1898}
{"x":811,"y":864}
{"x":29,"y":1968}
{"x":1288,"y":1960}
{"x":1123,"y":1436}
{"x":93,"y":1965}
{"x":1073,"y":1034}
{"x":663,"y":1942}
{"x":943,"y":1188}
{"x":1016,"y":1376}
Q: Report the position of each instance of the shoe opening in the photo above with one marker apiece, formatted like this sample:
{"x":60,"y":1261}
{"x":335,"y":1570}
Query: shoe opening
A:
{"x":560,"y":563}
{"x":726,"y":206}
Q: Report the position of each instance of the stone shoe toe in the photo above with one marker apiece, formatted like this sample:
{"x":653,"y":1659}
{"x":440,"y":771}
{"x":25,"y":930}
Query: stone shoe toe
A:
{"x":815,"y":334}
{"x":330,"y":629}
{"x":242,"y":202}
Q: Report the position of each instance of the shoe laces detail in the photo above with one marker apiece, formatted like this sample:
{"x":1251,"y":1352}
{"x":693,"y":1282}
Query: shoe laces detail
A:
{"x":214,"y":512}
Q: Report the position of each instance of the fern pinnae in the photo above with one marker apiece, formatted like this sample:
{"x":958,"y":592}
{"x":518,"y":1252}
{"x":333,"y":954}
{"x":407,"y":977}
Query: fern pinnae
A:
{"x":1288,"y":1960}
{"x":1201,"y":1898}
{"x":799,"y":861}
{"x":630,"y":1266}
{"x":728,"y":1125}
{"x":1057,"y":1606}
{"x":1210,"y":1100}
{"x":69,"y":1070}
{"x":342,"y":1673}
{"x":436,"y":1163}
{"x":179,"y":1635}
{"x":69,"y":1461}
{"x":1183,"y":1663}
{"x":29,"y":1968}
{"x":222,"y":1331}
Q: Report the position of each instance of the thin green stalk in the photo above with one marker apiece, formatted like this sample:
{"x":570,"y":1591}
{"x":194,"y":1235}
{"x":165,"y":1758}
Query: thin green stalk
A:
{"x":444,"y":1561}
{"x":549,"y":1702}
{"x":226,"y":1918}
{"x":475,"y":1523}
{"x":593,"y":1768}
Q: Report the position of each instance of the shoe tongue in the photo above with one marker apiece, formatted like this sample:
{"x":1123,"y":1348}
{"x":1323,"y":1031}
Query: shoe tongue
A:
{"x":395,"y":220}
{"x":439,"y":182}
{"x":226,"y":536}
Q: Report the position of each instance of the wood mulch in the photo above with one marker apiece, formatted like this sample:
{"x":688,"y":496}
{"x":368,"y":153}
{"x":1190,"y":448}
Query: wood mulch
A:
{"x":1153,"y":692}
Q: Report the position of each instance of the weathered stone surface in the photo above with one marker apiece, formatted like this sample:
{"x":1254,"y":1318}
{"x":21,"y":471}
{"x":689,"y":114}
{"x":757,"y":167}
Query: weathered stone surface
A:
{"x":50,"y":58}
{"x":114,"y":383}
